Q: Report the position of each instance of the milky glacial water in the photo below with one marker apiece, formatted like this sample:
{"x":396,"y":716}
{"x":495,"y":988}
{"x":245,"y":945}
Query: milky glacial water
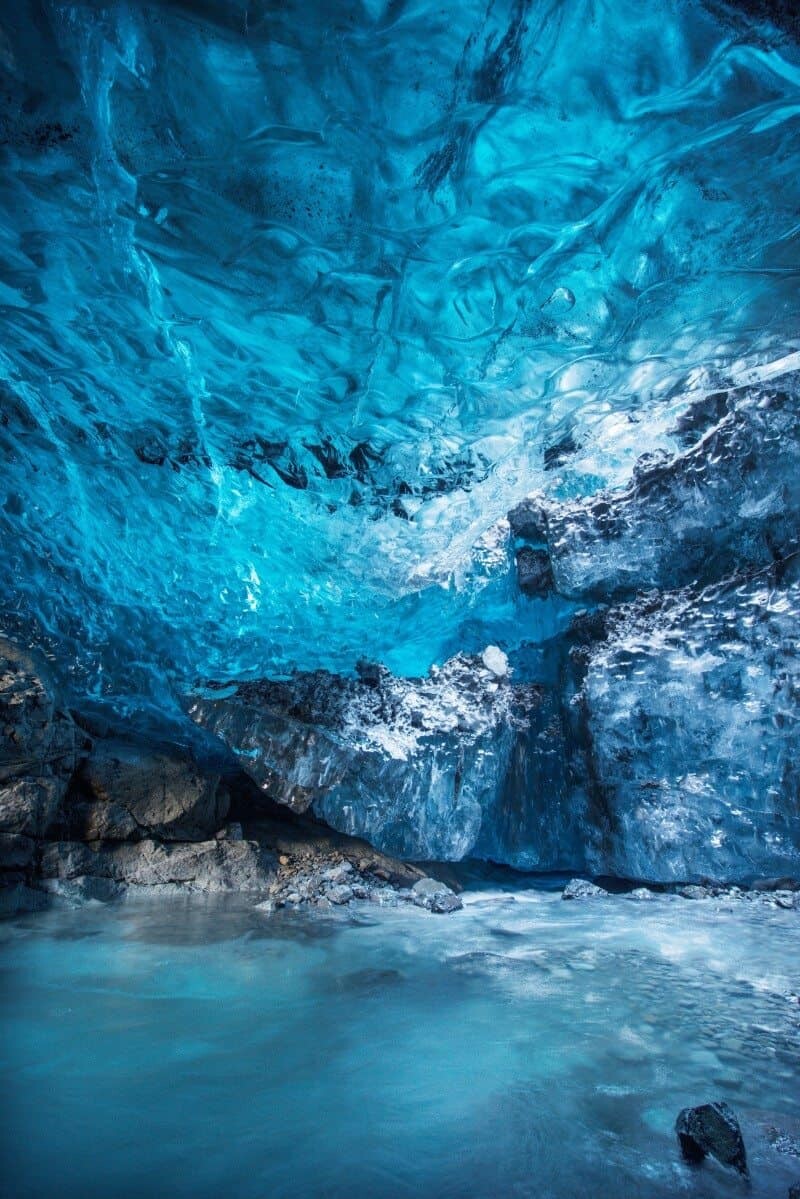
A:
{"x":522,"y":1047}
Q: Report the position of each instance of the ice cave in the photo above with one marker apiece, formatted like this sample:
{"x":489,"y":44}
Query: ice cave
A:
{"x":400,"y":599}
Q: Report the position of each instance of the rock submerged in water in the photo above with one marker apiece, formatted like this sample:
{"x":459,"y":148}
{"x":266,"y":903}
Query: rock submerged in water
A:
{"x":581,"y":888}
{"x":712,"y":1130}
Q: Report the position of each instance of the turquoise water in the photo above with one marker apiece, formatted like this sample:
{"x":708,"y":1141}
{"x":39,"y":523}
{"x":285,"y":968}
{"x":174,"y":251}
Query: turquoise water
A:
{"x":523,"y":1047}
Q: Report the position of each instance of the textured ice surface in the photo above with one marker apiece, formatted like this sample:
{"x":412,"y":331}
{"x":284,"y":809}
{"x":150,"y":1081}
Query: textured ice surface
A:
{"x":299,"y":301}
{"x":693,"y":711}
{"x":731,"y":500}
{"x":455,"y":764}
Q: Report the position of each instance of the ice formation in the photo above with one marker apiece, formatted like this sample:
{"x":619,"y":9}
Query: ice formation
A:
{"x":411,"y":396}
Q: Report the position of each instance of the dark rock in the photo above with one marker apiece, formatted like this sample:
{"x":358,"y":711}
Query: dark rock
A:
{"x":136,"y":788}
{"x":30,"y":805}
{"x":711,"y":1129}
{"x":581,"y":888}
{"x":794,"y":1191}
{"x":16,"y":851}
{"x":84,"y":888}
{"x":209,"y":866}
{"x":534,"y":572}
{"x":101,"y":822}
{"x":445,"y":902}
{"x":529,"y":521}
{"x":39,"y":746}
{"x":777,"y":884}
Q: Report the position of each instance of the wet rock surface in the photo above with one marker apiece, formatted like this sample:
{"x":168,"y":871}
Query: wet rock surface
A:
{"x":319,"y":868}
{"x":712,"y":1130}
{"x":194,"y":866}
{"x":129,"y":788}
{"x":581,"y":888}
{"x":40,"y":746}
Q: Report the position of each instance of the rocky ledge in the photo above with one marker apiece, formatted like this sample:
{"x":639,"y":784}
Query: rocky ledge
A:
{"x":89,"y":816}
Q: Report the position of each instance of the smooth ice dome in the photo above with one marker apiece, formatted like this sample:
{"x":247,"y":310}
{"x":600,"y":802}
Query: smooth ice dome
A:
{"x":407,"y":399}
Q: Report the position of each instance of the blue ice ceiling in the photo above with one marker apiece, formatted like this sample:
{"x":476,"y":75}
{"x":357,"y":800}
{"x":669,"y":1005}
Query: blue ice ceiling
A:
{"x":299,"y":299}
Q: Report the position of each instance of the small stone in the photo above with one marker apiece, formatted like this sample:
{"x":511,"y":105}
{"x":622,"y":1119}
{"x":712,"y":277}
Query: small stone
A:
{"x":340,"y":894}
{"x":640,"y":893}
{"x":711,"y":1129}
{"x":785,"y":899}
{"x":284,"y":859}
{"x":337,"y":873}
{"x":581,"y":888}
{"x":693,"y":892}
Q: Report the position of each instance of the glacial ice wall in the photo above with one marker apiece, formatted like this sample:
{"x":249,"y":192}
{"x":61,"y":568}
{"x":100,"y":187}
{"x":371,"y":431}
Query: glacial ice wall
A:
{"x":299,"y":301}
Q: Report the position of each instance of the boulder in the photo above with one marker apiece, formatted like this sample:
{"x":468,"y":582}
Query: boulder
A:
{"x":581,"y":888}
{"x":84,"y":888}
{"x":712,"y":1129}
{"x":101,"y":822}
{"x":435,"y":896}
{"x":137,"y":789}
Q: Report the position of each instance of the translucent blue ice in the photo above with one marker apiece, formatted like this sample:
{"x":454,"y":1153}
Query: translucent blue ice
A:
{"x":298,"y":299}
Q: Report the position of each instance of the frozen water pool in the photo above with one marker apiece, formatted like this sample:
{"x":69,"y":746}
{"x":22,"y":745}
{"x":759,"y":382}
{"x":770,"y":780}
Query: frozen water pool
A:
{"x":522,"y":1047}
